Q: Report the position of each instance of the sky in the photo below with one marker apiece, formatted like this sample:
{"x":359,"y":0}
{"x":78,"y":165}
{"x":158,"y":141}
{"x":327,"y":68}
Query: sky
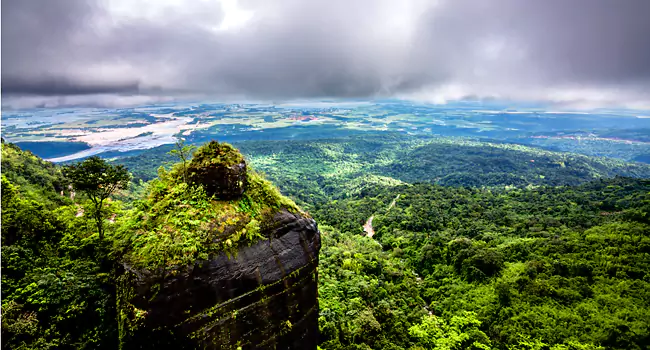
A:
{"x":578,"y":53}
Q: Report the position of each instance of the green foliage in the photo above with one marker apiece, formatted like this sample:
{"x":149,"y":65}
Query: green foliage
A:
{"x":98,"y":179}
{"x":549,"y":267}
{"x":177,"y":223}
{"x":37,"y":179}
{"x":214,"y":152}
{"x":261,"y":193}
{"x":367,"y":297}
{"x":55,"y":277}
{"x":461,"y":332}
{"x":184,"y":153}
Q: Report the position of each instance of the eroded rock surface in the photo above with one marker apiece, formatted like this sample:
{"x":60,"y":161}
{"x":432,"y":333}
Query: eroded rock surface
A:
{"x":226,"y":182}
{"x":220,"y":169}
{"x":263,"y":297}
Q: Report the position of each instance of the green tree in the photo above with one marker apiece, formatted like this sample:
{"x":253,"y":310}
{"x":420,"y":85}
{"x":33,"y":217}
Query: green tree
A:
{"x":98,"y":180}
{"x":462,"y":332}
{"x":184,"y":152}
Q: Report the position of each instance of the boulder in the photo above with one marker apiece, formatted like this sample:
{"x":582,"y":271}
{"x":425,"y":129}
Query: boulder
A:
{"x":262,"y":297}
{"x":220,"y":169}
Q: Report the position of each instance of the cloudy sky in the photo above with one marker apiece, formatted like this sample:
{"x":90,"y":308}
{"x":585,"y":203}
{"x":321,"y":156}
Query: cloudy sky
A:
{"x":118,"y":52}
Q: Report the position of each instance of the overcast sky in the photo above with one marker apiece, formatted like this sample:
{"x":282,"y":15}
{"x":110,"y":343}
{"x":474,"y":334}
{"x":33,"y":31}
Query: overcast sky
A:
{"x":117,"y":52}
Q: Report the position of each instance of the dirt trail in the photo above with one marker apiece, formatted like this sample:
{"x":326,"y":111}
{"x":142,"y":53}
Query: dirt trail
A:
{"x":392,"y":204}
{"x":367,"y":227}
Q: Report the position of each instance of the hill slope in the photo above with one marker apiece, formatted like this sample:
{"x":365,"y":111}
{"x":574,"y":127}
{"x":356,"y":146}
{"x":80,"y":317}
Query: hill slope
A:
{"x":221,"y":261}
{"x":55,"y":274}
{"x":546,"y":268}
{"x":319,"y":170}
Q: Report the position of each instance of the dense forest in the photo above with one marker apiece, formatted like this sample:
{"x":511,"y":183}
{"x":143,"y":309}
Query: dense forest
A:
{"x":456,"y":268}
{"x":318,"y":170}
{"x":475,"y":245}
{"x":57,"y":286}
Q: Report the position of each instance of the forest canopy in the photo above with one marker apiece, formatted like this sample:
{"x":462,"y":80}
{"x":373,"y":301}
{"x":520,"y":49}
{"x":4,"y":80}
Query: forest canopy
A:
{"x":552,"y":262}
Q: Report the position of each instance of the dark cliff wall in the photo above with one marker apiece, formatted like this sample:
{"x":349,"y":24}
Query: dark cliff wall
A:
{"x":264,"y":297}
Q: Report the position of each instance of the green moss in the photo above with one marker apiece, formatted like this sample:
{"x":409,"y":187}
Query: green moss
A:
{"x":128,"y":316}
{"x":262,"y":192}
{"x":177,"y":223}
{"x":213,"y":153}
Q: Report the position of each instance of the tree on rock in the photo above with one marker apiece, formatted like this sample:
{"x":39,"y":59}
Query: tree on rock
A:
{"x":98,"y":180}
{"x":184,"y":152}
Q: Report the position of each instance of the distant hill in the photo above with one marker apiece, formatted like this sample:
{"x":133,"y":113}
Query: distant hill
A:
{"x":37,"y":179}
{"x":320,"y":169}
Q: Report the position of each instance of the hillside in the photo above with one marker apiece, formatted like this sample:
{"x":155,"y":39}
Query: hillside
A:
{"x":550,"y":254}
{"x":55,"y":273}
{"x":36,"y":178}
{"x":224,"y":248}
{"x":318,"y":170}
{"x":457,"y":268}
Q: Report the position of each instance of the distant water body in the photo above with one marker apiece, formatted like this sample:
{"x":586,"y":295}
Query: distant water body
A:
{"x":53,"y":149}
{"x":138,"y":143}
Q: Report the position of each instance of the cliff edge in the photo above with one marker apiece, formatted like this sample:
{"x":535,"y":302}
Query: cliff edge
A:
{"x":222,"y":262}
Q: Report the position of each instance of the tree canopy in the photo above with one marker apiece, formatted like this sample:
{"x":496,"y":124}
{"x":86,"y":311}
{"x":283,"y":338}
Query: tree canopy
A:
{"x":98,"y":179}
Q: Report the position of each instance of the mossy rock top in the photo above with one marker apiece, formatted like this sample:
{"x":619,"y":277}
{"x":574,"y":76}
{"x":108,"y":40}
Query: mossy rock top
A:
{"x":178,"y":223}
{"x":220,"y":169}
{"x":215,"y":153}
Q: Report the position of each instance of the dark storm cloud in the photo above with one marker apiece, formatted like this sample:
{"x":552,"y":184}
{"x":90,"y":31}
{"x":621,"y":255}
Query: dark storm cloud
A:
{"x":63,"y":86}
{"x":553,"y":49}
{"x":591,"y":41}
{"x":39,"y":50}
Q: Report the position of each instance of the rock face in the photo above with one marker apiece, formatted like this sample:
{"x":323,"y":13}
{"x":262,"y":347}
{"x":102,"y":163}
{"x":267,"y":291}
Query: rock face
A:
{"x":226,"y":182}
{"x":263,"y":297}
{"x":220,"y":169}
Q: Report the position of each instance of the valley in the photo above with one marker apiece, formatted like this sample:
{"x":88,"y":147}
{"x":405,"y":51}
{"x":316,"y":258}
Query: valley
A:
{"x":325,"y":175}
{"x":127,"y":131}
{"x":425,"y":240}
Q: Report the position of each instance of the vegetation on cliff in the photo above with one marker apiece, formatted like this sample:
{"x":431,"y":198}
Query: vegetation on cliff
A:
{"x":216,"y":153}
{"x":58,"y":277}
{"x":177,"y":223}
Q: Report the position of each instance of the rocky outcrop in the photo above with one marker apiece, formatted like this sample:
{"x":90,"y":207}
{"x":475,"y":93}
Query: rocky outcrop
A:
{"x":230,"y":267}
{"x":225,"y":182}
{"x":220,"y":169}
{"x":262,"y":297}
